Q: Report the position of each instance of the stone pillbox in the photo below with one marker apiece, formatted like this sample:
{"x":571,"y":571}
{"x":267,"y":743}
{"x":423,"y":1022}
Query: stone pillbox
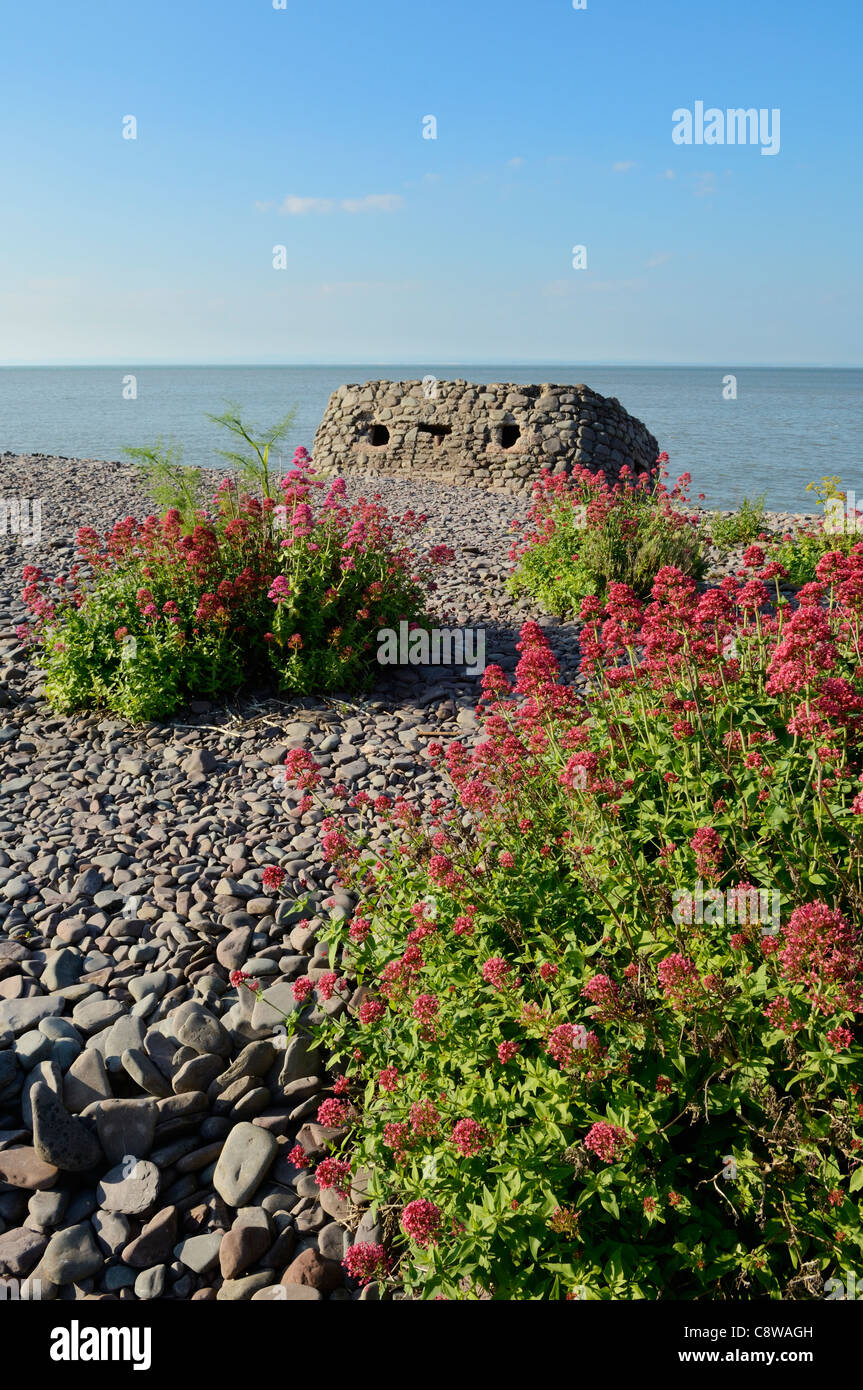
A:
{"x":497,"y":436}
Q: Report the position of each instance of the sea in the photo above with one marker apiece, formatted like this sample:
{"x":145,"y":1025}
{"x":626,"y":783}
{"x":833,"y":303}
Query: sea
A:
{"x":739,"y":433}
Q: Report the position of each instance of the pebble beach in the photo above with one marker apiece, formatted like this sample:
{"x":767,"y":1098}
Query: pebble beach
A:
{"x":147,"y":1105}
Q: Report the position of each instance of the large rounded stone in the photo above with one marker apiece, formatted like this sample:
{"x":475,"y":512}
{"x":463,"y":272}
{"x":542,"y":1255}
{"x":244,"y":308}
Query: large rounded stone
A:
{"x":126,"y":1128}
{"x":47,"y":1072}
{"x":144,"y":1072}
{"x":232,"y":950}
{"x":312,"y":1269}
{"x":197,"y":1073}
{"x":199,"y":1253}
{"x":72,"y":1255}
{"x":254,"y":1060}
{"x":248,"y":1239}
{"x":150,"y":1283}
{"x":130,"y":1189}
{"x":86,"y":1081}
{"x":20,"y":1250}
{"x":22,"y":1167}
{"x":156,"y":1242}
{"x":197,"y":1028}
{"x":236,"y":1290}
{"x":58,"y":1137}
{"x":20,"y":1015}
{"x":63,"y":967}
{"x":244,"y":1162}
{"x":294,"y":1293}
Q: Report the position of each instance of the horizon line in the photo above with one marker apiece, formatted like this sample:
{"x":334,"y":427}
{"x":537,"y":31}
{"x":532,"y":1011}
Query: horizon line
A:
{"x":459,"y":362}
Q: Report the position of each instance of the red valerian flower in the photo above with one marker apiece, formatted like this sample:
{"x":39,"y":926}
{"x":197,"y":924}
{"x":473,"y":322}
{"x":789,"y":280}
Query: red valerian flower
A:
{"x":605,"y":994}
{"x":470,"y":1137}
{"x":366,"y":1262}
{"x":679,"y":979}
{"x":708,"y":851}
{"x":371,"y":1011}
{"x":334,"y":1173}
{"x":564,"y":1040}
{"x":823,"y":952}
{"x":425,"y":1007}
{"x":606,"y":1141}
{"x":421,"y":1221}
{"x":495,"y":971}
{"x":332,"y":1113}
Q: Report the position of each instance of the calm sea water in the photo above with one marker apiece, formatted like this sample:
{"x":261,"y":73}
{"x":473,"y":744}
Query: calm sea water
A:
{"x":787,"y":426}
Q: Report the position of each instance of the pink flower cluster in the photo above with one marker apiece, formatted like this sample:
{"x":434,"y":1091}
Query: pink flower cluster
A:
{"x":334,"y":1173}
{"x":563,"y":1041}
{"x":495,"y":972}
{"x":422,"y":1222}
{"x":365,"y":1262}
{"x":605,"y":995}
{"x":606,"y":1141}
{"x":680,"y":981}
{"x":823,"y":952}
{"x":470,"y":1137}
{"x":272,"y":878}
{"x":332,"y":1112}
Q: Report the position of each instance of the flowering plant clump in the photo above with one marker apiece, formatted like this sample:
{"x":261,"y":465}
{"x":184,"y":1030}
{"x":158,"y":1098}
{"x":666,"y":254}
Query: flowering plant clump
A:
{"x":291,"y":591}
{"x":582,"y":534}
{"x":366,"y":1262}
{"x":742,"y":526}
{"x":839,"y":529}
{"x":611,"y":1069}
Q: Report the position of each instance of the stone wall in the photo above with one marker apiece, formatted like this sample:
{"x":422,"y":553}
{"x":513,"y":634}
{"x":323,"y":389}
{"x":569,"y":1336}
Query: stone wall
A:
{"x":498,"y":436}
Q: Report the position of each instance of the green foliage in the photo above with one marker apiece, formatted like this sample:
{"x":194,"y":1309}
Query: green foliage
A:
{"x":801,"y":549}
{"x":170,"y":482}
{"x":582,"y":535}
{"x":740,"y":527}
{"x":290,"y":595}
{"x":681,"y":1116}
{"x":251,"y":458}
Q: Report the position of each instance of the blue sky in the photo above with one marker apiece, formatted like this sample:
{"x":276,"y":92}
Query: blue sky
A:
{"x":303,"y":127}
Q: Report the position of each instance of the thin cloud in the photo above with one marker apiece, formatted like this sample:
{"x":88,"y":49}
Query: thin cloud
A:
{"x":579,"y":284}
{"x":623,"y":166}
{"x":516,"y":162}
{"x":659,"y":259}
{"x":350,"y":287}
{"x":373,"y":202}
{"x":300,"y":207}
{"x":294,"y":206}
